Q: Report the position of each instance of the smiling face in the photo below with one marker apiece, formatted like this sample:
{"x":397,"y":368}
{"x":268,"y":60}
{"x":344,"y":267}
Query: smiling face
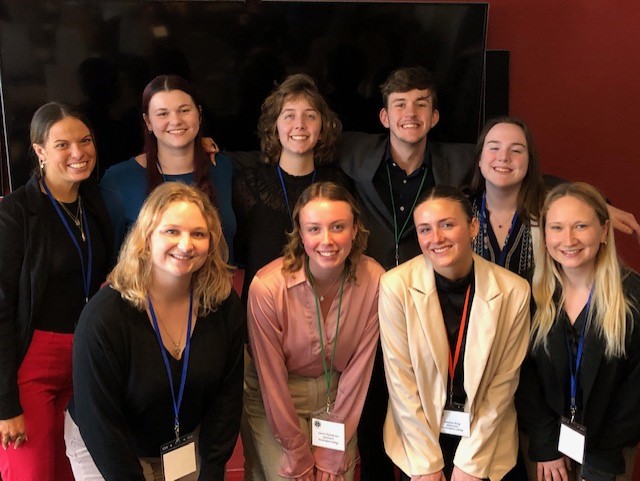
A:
{"x":173,"y":118}
{"x":180,"y":242}
{"x":409,"y":116}
{"x":327,"y":231}
{"x":299,"y":126}
{"x":573,"y":234}
{"x":68,"y":153}
{"x":505,"y":157}
{"x":444,"y":235}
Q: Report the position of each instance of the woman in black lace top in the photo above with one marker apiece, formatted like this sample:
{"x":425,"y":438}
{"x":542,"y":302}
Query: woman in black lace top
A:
{"x":298,"y":133}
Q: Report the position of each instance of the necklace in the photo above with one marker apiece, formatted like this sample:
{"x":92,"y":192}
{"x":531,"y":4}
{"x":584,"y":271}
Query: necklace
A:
{"x":321,"y":297}
{"x":177,"y":349}
{"x":77,"y":218}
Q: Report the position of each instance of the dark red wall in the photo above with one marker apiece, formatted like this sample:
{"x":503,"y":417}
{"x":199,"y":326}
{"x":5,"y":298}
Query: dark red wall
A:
{"x":575,"y":79}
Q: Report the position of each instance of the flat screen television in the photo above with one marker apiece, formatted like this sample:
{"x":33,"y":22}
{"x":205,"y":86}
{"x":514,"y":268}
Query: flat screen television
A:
{"x":98,"y":55}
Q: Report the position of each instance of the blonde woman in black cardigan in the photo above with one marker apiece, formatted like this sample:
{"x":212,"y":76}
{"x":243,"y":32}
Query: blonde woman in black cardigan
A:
{"x":583,"y":371}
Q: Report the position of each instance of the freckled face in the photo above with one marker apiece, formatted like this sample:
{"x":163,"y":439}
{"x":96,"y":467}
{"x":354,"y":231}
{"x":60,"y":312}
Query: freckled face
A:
{"x":327,"y":230}
{"x":299,"y":126}
{"x":444,"y":235}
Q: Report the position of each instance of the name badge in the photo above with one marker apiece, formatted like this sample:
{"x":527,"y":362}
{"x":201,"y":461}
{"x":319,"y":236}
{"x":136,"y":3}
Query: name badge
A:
{"x":327,"y":434}
{"x":456,"y":422}
{"x":179,"y":459}
{"x":571,"y":440}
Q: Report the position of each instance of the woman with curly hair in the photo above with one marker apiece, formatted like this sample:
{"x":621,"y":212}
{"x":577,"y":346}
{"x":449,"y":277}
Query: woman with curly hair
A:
{"x":298,"y":133}
{"x":158,"y":353}
{"x":313,"y":331}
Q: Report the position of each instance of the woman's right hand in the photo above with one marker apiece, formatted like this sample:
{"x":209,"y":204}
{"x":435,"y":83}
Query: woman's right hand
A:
{"x":13,"y":431}
{"x":310,"y":476}
{"x":437,"y":476}
{"x":556,"y":470}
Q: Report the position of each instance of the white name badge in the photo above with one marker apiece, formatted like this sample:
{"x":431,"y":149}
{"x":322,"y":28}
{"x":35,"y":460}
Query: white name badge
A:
{"x":327,"y":434}
{"x":457,"y":423}
{"x":571,"y":440}
{"x":179,"y":459}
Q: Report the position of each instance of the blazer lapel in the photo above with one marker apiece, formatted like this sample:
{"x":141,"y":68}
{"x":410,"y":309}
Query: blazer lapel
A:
{"x":424,"y":295}
{"x":483,"y":323}
{"x":559,"y":360}
{"x":591,"y":358}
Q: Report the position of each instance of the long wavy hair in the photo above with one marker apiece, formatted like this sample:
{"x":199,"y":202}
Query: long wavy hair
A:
{"x":609,"y":305}
{"x":533,"y":190}
{"x":132,"y":275}
{"x":294,"y":87}
{"x":201,"y":162}
{"x":294,"y":253}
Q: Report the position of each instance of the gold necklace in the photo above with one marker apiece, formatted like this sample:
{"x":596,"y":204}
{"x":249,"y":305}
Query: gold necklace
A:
{"x":177,"y":349}
{"x":328,"y":290}
{"x":77,"y":218}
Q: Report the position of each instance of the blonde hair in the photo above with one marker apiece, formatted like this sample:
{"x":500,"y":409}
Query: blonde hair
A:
{"x":609,"y":305}
{"x":132,"y":275}
{"x":294,"y":253}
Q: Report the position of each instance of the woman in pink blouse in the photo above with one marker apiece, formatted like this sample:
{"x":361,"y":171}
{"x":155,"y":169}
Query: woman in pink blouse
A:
{"x":313,"y":329}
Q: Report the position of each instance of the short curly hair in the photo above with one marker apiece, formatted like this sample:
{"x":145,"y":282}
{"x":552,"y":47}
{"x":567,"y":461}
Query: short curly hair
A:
{"x":293,"y":87}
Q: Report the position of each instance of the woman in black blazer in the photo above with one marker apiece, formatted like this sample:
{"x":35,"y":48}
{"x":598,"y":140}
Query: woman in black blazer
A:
{"x":55,"y":237}
{"x":583,"y":370}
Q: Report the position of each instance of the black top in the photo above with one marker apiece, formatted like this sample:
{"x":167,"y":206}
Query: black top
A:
{"x":361,"y":156}
{"x":64,"y":289}
{"x":405,"y":187}
{"x":610,"y":393}
{"x":518,"y":247}
{"x":451,"y":295}
{"x":122,"y":398}
{"x":262,"y":214}
{"x":28,"y":246}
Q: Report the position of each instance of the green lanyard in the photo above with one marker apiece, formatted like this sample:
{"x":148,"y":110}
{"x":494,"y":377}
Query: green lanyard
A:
{"x":396,"y":234}
{"x":328,"y":372}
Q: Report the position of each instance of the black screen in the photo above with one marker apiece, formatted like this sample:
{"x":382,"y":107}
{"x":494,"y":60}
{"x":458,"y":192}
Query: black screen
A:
{"x":98,"y":56}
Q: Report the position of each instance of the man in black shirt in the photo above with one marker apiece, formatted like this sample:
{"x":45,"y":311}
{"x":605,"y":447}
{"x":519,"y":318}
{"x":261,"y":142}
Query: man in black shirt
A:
{"x":390,"y":171}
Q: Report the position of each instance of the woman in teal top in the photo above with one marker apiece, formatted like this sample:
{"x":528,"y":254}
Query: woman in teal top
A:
{"x":172,"y":152}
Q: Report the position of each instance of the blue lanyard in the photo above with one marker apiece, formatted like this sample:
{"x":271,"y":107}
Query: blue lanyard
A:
{"x":86,"y":273}
{"x":284,"y":190}
{"x":573,"y":369}
{"x":185,"y":362}
{"x":483,"y":227}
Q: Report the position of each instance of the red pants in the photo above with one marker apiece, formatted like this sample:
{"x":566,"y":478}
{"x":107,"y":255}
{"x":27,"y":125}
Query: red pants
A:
{"x":45,"y":385}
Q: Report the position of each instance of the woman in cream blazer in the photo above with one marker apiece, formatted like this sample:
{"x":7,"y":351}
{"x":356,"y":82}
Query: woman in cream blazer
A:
{"x":415,"y":341}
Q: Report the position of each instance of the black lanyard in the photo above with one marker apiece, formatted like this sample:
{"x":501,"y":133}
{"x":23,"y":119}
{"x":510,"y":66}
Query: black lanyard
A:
{"x":185,"y":362}
{"x":86,"y":273}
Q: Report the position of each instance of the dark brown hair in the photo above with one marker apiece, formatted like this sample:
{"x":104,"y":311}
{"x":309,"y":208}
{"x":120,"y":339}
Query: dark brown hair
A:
{"x":533,"y":190}
{"x":201,"y":162}
{"x":409,"y":78}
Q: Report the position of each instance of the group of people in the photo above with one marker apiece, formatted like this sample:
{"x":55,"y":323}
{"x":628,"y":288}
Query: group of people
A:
{"x":439,"y":367}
